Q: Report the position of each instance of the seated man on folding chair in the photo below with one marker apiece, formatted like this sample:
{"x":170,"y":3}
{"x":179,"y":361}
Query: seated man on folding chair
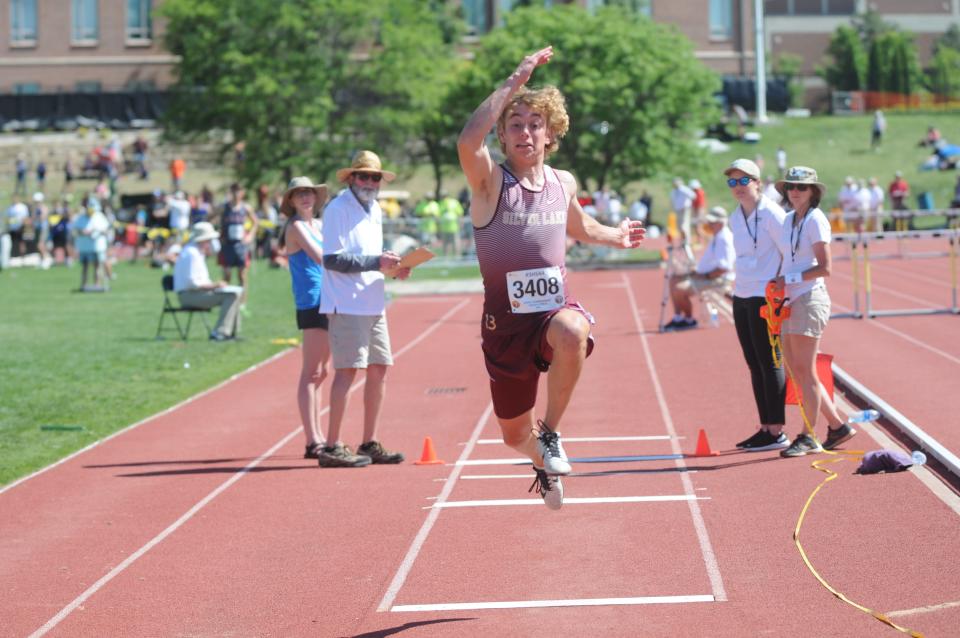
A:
{"x":191,"y":281}
{"x":714,"y":271}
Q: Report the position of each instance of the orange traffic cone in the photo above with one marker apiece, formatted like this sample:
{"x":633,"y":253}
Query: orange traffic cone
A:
{"x":429,"y":455}
{"x":703,"y":446}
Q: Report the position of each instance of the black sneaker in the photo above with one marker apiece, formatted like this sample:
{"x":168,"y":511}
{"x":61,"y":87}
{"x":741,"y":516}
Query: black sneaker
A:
{"x":838,"y":436}
{"x":312,"y":451}
{"x":802,"y":445}
{"x":379,"y":454}
{"x":763,"y":441}
{"x":340,"y":455}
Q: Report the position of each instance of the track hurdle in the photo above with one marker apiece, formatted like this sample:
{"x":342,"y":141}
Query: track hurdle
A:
{"x":952,"y":237}
{"x":854,"y":240}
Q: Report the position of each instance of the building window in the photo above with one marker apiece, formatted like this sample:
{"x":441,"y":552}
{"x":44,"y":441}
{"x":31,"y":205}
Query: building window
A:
{"x":23,"y":20}
{"x":26,"y":88}
{"x":139,"y":19}
{"x":88,"y":86}
{"x":86,"y":22}
{"x":721,"y":19}
{"x":810,"y":7}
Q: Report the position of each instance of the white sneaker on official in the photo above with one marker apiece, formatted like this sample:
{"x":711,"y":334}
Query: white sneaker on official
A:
{"x":549,"y":487}
{"x":554,"y":457}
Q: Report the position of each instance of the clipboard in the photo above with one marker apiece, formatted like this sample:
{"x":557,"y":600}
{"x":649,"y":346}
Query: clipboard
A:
{"x":413,"y":259}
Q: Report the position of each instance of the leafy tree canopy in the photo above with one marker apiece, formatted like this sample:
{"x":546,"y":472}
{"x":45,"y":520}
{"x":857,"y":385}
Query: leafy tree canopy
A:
{"x":636,"y":94}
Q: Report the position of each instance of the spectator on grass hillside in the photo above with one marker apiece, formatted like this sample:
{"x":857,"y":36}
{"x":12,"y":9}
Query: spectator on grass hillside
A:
{"x":238,"y":228}
{"x":427,"y":212}
{"x":714,"y":271}
{"x":354,"y":300}
{"x":877,"y":129}
{"x":699,"y":207}
{"x":60,"y":228}
{"x":90,"y":237}
{"x":41,"y":176}
{"x":781,"y":161}
{"x":178,"y":217}
{"x":451,"y":216}
{"x":302,"y":239}
{"x":20,"y":166}
{"x":956,"y":194}
{"x":899,"y":191}
{"x":756,"y":225}
{"x":178,"y":168}
{"x":195,"y":289}
{"x":269,"y":222}
{"x":17,"y":216}
{"x":69,"y":173}
{"x":638,"y":211}
{"x":41,"y":229}
{"x":931,"y":138}
{"x":804,"y":244}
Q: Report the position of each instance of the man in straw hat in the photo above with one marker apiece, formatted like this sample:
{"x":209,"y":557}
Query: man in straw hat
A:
{"x":354,"y":301}
{"x":523,"y":211}
{"x":191,"y":281}
{"x":714,"y":271}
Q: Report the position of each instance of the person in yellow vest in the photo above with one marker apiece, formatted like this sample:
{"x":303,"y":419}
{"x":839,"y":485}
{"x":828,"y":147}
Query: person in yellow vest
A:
{"x":427,"y":211}
{"x":451,"y":212}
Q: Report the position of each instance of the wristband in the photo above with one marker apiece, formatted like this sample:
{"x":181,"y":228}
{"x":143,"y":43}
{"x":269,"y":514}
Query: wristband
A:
{"x":793,"y":278}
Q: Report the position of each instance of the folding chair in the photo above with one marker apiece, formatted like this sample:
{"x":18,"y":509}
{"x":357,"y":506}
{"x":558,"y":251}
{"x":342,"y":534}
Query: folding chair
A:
{"x":174,"y":310}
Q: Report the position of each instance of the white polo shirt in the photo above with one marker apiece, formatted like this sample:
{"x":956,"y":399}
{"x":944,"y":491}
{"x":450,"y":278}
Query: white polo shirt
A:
{"x":190,"y":270}
{"x":348,"y":228}
{"x":720,"y":253}
{"x":796,"y":244}
{"x":755,"y":242}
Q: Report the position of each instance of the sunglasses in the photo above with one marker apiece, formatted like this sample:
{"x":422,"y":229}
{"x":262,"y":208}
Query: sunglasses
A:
{"x":743,"y":181}
{"x":799,"y":187}
{"x":369,"y":177}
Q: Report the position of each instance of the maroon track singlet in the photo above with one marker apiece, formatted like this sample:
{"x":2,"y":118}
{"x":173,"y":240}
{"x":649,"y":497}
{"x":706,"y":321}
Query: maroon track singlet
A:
{"x":528,"y":231}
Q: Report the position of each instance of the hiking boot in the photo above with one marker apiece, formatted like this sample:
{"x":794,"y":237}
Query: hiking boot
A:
{"x":803,"y":444}
{"x":763,"y":441}
{"x":838,"y":436}
{"x":550,"y":448}
{"x":340,"y":455}
{"x":379,"y":454}
{"x":549,"y":487}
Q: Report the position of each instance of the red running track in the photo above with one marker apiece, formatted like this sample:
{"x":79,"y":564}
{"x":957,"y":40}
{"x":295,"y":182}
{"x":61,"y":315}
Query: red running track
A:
{"x":206,"y":521}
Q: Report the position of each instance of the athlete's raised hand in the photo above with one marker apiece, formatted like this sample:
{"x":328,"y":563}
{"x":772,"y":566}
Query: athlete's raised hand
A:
{"x":632,"y":233}
{"x":531,"y":62}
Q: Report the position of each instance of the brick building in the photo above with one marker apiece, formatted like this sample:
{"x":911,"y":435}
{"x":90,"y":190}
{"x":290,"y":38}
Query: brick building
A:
{"x":49,"y":46}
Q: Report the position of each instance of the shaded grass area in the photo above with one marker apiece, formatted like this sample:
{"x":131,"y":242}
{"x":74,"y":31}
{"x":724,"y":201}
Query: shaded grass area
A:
{"x":77,"y":367}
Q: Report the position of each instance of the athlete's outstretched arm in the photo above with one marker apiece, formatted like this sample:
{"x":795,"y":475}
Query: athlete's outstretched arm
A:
{"x":582,"y":227}
{"x":475,"y":158}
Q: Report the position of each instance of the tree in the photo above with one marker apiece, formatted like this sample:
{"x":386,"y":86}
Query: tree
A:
{"x":636,"y":94}
{"x":943,"y":74}
{"x":846,"y":69}
{"x":787,"y":66}
{"x":870,"y":26}
{"x":950,"y":39}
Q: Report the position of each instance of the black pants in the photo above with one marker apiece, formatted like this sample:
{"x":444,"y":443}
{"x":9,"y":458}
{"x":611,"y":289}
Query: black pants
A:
{"x":769,"y":383}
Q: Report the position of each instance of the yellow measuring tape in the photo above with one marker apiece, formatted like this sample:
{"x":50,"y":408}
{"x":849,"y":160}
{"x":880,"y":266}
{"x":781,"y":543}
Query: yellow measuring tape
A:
{"x":771,"y":317}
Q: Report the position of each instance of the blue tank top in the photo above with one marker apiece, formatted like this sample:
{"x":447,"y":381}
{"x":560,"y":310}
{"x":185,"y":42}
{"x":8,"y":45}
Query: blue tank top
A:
{"x":306,"y":276}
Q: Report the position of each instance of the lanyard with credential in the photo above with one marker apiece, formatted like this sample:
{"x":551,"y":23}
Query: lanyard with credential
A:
{"x":756,"y":226}
{"x":795,"y":246}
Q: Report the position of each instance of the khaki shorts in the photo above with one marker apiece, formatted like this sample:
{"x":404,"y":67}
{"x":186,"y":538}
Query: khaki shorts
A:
{"x":357,"y":341}
{"x":809,"y":314}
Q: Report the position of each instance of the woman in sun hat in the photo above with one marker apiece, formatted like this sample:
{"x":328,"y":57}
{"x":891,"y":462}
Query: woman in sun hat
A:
{"x":805,"y":245}
{"x":302,"y":238}
{"x":756,"y":224}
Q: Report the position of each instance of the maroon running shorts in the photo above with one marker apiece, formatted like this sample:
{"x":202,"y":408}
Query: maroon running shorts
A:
{"x":515,"y":361}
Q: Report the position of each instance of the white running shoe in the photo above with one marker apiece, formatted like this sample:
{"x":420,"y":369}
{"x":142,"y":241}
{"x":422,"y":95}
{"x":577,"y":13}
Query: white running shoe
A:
{"x":554,"y":458}
{"x":549,"y":487}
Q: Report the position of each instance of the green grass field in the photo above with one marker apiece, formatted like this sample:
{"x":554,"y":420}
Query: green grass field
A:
{"x":77,"y":367}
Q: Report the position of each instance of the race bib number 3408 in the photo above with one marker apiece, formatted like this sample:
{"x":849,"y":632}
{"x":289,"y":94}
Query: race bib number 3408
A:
{"x":535,"y":290}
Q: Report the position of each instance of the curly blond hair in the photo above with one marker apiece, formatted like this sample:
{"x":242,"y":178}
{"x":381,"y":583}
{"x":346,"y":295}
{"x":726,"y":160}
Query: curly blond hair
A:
{"x":549,"y":102}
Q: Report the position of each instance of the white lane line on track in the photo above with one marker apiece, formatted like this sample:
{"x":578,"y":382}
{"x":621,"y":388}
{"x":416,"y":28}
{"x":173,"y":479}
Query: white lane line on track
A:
{"x":574,"y":602}
{"x":79,"y":600}
{"x":407,"y":564}
{"x":904,"y":336}
{"x":706,"y":548}
{"x":186,"y":401}
{"x":570,"y":501}
{"x":923,"y":610}
{"x":896,"y":293}
{"x":494,"y":476}
{"x":590,"y":439}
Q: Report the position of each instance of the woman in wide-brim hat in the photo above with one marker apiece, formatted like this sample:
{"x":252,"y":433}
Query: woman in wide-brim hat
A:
{"x":805,"y":246}
{"x":303,"y":240}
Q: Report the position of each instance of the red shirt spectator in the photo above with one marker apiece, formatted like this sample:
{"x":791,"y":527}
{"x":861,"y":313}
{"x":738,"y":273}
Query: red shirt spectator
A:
{"x":899,"y":190}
